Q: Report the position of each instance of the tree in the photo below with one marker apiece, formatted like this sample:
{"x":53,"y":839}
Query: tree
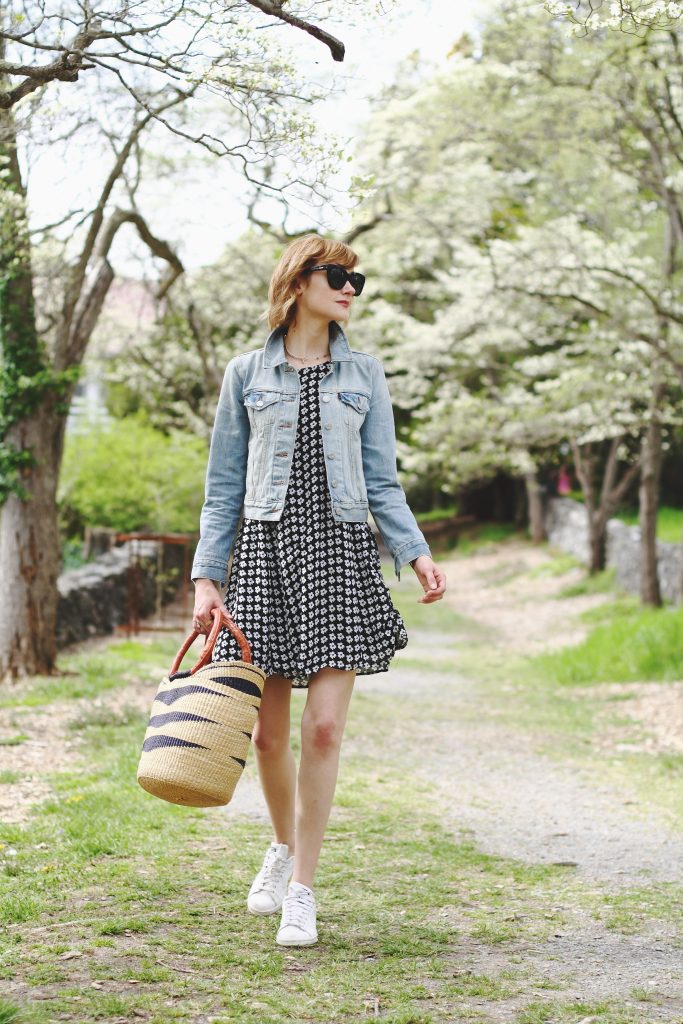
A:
{"x":174,"y":370}
{"x":551,"y":196}
{"x":141,"y":71}
{"x":632,"y":17}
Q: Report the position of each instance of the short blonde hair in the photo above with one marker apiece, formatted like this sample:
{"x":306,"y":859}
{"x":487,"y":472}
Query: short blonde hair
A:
{"x":299,"y":255}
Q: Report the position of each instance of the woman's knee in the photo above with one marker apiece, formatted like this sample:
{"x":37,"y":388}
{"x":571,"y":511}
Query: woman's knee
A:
{"x":270,"y":740}
{"x":271,"y":731}
{"x":323,"y":733}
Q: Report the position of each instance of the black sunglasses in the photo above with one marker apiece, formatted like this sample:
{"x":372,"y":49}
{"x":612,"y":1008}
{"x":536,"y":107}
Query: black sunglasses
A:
{"x":338,"y":276}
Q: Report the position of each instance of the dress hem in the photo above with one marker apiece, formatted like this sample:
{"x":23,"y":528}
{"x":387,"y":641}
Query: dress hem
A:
{"x":302,"y":681}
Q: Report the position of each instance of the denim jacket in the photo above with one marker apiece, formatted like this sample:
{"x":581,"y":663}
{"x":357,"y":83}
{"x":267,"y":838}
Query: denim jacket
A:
{"x":252,"y":444}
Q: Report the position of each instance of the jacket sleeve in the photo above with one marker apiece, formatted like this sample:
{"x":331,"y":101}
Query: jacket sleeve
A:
{"x":386,"y":498}
{"x":225,"y":479}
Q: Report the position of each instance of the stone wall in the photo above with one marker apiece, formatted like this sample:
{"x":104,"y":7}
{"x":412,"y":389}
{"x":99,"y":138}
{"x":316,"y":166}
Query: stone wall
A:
{"x":567,"y":529}
{"x":93,"y":600}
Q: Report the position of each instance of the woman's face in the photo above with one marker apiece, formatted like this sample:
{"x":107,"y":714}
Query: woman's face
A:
{"x":315,"y":297}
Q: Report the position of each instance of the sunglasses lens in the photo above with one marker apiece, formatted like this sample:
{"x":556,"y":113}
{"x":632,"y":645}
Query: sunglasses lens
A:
{"x":336,"y":277}
{"x":357,"y":281}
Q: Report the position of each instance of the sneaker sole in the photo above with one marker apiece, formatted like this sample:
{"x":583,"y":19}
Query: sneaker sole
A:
{"x":300,"y":942}
{"x":264,"y":913}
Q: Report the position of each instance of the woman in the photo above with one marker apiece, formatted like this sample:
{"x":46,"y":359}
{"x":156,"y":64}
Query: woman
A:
{"x":303,"y":446}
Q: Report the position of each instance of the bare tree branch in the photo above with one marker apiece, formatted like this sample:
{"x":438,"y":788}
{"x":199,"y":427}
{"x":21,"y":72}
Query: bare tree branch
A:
{"x":275,"y":9}
{"x":156,"y":245}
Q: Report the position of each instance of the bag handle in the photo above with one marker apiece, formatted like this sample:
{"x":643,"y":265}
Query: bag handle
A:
{"x":220,"y":618}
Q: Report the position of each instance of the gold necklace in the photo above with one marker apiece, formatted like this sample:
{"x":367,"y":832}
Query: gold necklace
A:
{"x":304,"y":359}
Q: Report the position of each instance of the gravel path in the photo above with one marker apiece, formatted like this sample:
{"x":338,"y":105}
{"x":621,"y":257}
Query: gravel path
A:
{"x":495,"y":788}
{"x":491,"y":785}
{"x":513,"y":801}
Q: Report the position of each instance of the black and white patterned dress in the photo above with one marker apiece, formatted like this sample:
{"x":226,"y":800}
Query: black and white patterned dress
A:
{"x":308,"y":591}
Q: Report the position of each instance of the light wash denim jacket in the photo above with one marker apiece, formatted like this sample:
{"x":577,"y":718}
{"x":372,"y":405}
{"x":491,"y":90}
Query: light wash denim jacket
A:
{"x":253,"y":441}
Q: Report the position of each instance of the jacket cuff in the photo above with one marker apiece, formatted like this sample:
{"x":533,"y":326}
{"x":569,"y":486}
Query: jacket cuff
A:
{"x":408,"y":552}
{"x":203,"y":570}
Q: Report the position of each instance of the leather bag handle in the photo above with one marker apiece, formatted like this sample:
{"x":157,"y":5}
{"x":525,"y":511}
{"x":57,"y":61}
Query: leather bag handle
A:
{"x":220,"y":618}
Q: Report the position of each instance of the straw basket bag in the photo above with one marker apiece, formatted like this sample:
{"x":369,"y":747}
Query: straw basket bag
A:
{"x":201,"y":722}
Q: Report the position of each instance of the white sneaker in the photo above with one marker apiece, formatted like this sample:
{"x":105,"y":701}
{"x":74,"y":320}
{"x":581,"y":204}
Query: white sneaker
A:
{"x":270,"y":885}
{"x":297,"y":927}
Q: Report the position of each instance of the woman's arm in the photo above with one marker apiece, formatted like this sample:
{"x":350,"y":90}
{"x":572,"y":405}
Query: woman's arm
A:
{"x":386,"y":497}
{"x":225,"y":479}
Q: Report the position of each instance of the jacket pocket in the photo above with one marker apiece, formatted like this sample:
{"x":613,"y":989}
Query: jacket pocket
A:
{"x":355,"y":405}
{"x":262,"y":407}
{"x":261,"y":399}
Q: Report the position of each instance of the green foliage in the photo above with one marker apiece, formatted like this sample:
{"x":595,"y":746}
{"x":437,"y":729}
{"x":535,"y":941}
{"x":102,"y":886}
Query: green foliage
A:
{"x":669,"y":523}
{"x":477,"y":537}
{"x":644,"y":645}
{"x":212,"y":316}
{"x":130,"y":476}
{"x":599,"y":583}
{"x":26,"y":377}
{"x":437,"y":514}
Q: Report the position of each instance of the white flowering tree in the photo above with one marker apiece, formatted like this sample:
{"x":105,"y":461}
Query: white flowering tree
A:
{"x":635,"y":17}
{"x":174,"y":369}
{"x":113,"y":85}
{"x":531,"y":212}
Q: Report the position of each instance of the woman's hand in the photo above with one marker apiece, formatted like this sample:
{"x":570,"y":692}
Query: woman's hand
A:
{"x":206,"y":597}
{"x":431,"y":577}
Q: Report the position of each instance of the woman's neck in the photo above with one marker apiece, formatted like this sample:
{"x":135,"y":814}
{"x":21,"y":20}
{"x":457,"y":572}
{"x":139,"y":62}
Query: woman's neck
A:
{"x":306,"y":341}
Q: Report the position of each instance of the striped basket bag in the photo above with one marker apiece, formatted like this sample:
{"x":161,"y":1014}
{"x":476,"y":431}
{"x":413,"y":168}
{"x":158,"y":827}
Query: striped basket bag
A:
{"x":200,"y":727}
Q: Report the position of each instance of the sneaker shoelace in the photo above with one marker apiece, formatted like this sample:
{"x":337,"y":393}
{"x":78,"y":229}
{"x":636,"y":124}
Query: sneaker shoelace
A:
{"x":272,"y":869}
{"x":297,"y":909}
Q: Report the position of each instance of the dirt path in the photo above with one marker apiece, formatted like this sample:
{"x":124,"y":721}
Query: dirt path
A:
{"x":494,"y":787}
{"x":518,"y":803}
{"x":514,"y":802}
{"x":489,"y":783}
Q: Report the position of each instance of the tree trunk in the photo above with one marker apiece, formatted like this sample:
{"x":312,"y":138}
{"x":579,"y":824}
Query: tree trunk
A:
{"x":613,"y":491}
{"x":598,"y":547}
{"x":648,"y":496}
{"x":535,"y":506}
{"x":30,"y":555}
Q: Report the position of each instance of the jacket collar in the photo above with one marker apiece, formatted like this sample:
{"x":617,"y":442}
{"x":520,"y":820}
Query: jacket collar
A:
{"x":274,"y":350}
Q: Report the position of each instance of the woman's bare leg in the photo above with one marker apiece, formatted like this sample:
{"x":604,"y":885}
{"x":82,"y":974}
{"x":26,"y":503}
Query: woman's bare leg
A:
{"x":322,"y":728}
{"x":274,"y":757}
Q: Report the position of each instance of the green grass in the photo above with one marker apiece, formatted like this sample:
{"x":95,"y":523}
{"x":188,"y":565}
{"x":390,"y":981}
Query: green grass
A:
{"x":644,"y":645}
{"x":86,"y":674}
{"x":558,"y":564}
{"x":475,"y":538}
{"x":140,"y":888}
{"x":435,"y":514}
{"x":669,"y":523}
{"x":669,"y":520}
{"x":599,"y":583}
{"x":165,"y":887}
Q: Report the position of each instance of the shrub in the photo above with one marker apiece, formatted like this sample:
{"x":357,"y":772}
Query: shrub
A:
{"x":127,"y":475}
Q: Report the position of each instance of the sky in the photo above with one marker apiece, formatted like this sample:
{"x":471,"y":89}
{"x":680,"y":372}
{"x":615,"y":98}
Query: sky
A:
{"x":202,"y":209}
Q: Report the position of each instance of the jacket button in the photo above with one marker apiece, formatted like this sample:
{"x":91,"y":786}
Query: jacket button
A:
{"x":326,"y":398}
{"x":260,"y":401}
{"x":281,"y":453}
{"x":328,"y":426}
{"x":335,"y":483}
{"x":332,"y":455}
